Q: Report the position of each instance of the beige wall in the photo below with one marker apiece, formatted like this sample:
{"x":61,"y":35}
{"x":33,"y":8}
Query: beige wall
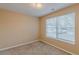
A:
{"x":16,"y":28}
{"x":66,"y":46}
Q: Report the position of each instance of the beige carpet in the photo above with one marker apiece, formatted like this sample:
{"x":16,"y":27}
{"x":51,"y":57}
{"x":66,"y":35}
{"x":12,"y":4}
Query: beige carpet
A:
{"x":36,"y":48}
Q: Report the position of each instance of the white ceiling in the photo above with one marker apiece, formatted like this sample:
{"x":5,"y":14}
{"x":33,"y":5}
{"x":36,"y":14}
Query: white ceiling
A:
{"x":27,"y":8}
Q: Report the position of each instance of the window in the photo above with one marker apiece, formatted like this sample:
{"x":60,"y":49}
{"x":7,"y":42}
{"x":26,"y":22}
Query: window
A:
{"x":61,"y":27}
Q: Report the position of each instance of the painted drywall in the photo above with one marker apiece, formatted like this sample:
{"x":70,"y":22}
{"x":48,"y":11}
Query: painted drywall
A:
{"x":66,"y":46}
{"x":16,"y":28}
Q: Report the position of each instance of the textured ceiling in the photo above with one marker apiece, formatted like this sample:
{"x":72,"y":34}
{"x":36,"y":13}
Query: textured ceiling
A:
{"x":27,"y":8}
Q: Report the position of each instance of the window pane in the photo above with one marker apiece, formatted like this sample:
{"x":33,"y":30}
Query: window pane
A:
{"x":66,"y":27}
{"x":51,"y":28}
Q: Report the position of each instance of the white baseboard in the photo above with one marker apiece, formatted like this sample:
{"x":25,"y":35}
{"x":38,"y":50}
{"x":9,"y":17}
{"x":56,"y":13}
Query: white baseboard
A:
{"x":58,"y":47}
{"x":17,"y":45}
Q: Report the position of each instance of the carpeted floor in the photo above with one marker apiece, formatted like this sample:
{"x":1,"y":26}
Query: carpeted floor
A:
{"x":36,"y":48}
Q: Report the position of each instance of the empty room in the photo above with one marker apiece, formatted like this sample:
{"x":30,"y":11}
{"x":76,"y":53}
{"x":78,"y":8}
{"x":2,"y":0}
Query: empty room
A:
{"x":39,"y":29}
